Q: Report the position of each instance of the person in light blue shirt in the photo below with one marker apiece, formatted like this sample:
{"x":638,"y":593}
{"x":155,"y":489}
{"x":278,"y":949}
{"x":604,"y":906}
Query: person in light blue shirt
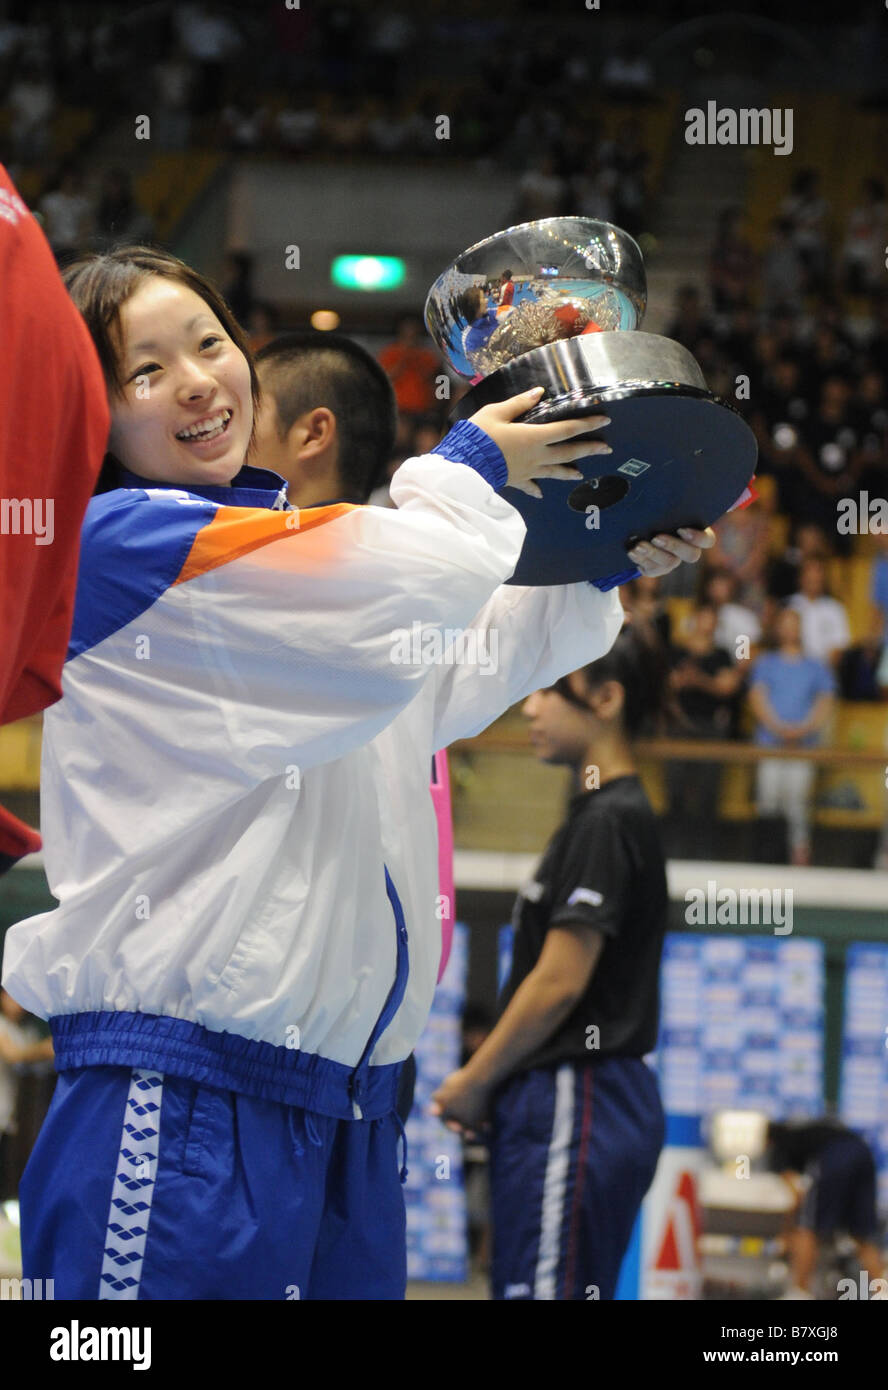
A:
{"x":880,"y":584}
{"x":792,"y":698}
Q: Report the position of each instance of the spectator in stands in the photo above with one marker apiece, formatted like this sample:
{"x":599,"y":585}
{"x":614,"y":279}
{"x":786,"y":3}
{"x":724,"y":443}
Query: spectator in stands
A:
{"x":574,"y":145}
{"x":732,"y":263}
{"x":298,"y":125}
{"x":778,"y":409}
{"x":780,"y":398}
{"x":808,"y":212}
{"x":68,"y":214}
{"x":705,"y":682}
{"x":879,"y":592}
{"x":245,"y":118}
{"x":743,"y":539}
{"x":113,"y":61}
{"x":262,"y":324}
{"x":210,"y":41}
{"x":119,"y":218}
{"x":541,"y":190}
{"x":718,"y":374}
{"x":629,"y":161}
{"x":708,"y":354}
{"x":412,"y":367}
{"x":423,"y":125}
{"x":691,"y":323}
{"x":786,"y":326}
{"x":592,"y":189}
{"x":175,"y":81}
{"x":237,"y":284}
{"x":387,"y":127}
{"x":388,"y":48}
{"x":869,"y":416}
{"x":829,"y":356}
{"x":345,"y":127}
{"x":860,"y":665}
{"x":880,"y":860}
{"x":808,"y":541}
{"x":824,"y":621}
{"x":766,"y":350}
{"x":737,"y":627}
{"x":877,"y":346}
{"x":341,"y":36}
{"x":737,"y":340}
{"x":866,"y":234}
{"x":540,"y":63}
{"x":784,"y":278}
{"x":31,"y":102}
{"x":538,"y":127}
{"x":827,"y":462}
{"x":792,"y":698}
{"x":643,"y":598}
{"x":626,"y":74}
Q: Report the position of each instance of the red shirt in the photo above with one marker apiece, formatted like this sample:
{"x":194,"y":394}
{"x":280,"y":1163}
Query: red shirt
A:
{"x":411,"y":371}
{"x":53,"y":431}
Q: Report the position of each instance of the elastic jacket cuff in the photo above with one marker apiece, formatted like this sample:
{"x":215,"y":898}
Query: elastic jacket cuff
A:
{"x":466,"y":443}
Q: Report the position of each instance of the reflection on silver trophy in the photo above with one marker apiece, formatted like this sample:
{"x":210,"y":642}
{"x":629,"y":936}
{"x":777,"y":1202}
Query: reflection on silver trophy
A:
{"x":558,"y":303}
{"x":534,"y":284}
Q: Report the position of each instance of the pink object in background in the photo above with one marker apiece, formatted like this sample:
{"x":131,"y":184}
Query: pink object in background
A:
{"x":440,"y":789}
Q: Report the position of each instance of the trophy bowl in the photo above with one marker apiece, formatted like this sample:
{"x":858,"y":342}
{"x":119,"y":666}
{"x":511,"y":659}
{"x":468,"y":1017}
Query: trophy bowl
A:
{"x":557,"y":303}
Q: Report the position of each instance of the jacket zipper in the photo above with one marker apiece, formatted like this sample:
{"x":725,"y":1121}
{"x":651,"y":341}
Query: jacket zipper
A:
{"x":394,"y":999}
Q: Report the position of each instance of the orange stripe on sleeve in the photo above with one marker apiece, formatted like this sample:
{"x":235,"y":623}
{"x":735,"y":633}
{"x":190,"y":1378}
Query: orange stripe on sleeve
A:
{"x":235,"y":531}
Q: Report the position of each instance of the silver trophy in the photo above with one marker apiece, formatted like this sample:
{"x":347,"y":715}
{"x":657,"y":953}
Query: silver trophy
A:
{"x":557,"y":303}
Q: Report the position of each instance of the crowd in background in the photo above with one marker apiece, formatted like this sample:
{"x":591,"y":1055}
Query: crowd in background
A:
{"x":333,"y":81}
{"x":795,"y":335}
{"x":796,"y":338}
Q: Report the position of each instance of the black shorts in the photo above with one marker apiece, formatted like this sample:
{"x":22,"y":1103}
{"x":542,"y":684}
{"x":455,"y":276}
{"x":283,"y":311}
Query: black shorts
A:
{"x":842,"y":1196}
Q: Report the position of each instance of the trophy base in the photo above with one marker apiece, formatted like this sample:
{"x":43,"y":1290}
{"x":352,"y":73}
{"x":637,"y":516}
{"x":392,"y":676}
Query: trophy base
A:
{"x":681,"y":456}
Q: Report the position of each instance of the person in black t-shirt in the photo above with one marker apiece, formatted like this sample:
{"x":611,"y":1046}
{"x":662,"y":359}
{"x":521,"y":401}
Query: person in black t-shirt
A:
{"x":826,"y":464}
{"x":861,"y":669}
{"x":706,"y":682}
{"x":840,"y":1199}
{"x":576,"y":1120}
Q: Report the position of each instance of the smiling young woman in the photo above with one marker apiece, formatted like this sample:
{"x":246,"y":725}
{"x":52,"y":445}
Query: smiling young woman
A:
{"x":174,"y":358}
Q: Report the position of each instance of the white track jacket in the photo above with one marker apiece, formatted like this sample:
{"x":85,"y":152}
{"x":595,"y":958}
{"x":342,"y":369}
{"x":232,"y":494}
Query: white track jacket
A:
{"x":235,"y":785}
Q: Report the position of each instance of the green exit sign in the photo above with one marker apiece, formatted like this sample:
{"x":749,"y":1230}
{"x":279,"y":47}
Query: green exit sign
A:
{"x":368,"y":272}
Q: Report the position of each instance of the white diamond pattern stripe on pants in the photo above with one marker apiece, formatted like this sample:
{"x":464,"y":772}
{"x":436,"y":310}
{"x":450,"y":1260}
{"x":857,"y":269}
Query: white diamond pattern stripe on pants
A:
{"x":555,"y":1186}
{"x":133,"y":1189}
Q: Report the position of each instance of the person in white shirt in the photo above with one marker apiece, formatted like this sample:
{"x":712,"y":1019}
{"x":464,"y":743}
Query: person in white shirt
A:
{"x":68,"y":213}
{"x":735,"y":620}
{"x":825,"y":630}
